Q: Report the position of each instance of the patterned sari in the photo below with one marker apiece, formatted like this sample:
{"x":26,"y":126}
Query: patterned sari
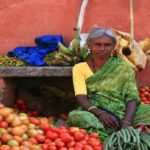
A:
{"x":111,"y":87}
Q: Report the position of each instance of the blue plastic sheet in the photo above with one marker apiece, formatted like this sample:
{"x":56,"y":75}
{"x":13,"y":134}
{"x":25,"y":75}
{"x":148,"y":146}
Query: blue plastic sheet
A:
{"x":34,"y":55}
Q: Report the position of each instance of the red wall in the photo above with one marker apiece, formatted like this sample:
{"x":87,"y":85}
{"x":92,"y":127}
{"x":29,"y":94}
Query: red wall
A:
{"x":23,"y":20}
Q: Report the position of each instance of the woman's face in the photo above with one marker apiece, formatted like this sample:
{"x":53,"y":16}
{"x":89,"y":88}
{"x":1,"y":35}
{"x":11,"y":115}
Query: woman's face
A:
{"x":102,"y":47}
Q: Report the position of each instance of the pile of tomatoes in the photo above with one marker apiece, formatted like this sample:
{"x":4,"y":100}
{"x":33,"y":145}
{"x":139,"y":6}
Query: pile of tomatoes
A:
{"x":145,"y":94}
{"x":19,"y":131}
{"x":22,"y":107}
{"x":72,"y":138}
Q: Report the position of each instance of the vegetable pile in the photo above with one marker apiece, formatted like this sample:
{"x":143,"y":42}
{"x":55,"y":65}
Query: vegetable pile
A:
{"x":19,"y":131}
{"x":128,"y":139}
{"x":11,"y":61}
{"x":145,"y":94}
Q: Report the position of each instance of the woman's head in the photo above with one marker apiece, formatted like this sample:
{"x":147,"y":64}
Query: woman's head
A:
{"x":101,"y":41}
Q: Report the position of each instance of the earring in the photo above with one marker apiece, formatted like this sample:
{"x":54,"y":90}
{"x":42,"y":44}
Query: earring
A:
{"x":89,"y":50}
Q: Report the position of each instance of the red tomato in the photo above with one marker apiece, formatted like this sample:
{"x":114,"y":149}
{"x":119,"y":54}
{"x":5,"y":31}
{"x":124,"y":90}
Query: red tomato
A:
{"x":94,"y":143}
{"x":20,"y":102}
{"x":47,"y":141}
{"x":94,"y":135}
{"x":71,"y":144}
{"x":142,"y":90}
{"x":24,"y":106}
{"x":84,"y":142}
{"x":57,"y":130}
{"x":62,"y":148}
{"x":16,"y":106}
{"x":83,"y":131}
{"x":45,"y":126}
{"x":6,"y":137}
{"x":51,"y":118}
{"x":44,"y":120}
{"x":65,"y":137}
{"x":73,"y":130}
{"x":64,"y":116}
{"x":52,"y":144}
{"x":87,"y":147}
{"x":78,"y":144}
{"x":1,"y":105}
{"x":144,"y":99}
{"x":78,"y":136}
{"x":3,"y":124}
{"x":60,"y":144}
{"x":98,"y":147}
{"x":33,"y":140}
{"x":71,"y":148}
{"x":52,"y":147}
{"x":35,"y":113}
{"x":146,"y":87}
{"x":4,"y":147}
{"x":51,"y":135}
{"x":78,"y":148}
{"x":147,"y":102}
{"x":40,"y":138}
{"x":146,"y":93}
{"x":63,"y":129}
{"x":142,"y":95}
{"x":34,"y":120}
{"x":45,"y":146}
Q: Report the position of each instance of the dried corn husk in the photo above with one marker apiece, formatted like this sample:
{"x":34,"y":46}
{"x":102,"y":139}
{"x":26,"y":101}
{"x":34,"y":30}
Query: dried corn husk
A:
{"x":135,"y":56}
{"x":145,"y":46}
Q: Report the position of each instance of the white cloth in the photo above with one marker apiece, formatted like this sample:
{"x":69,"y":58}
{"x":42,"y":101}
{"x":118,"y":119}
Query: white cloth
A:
{"x":83,"y":37}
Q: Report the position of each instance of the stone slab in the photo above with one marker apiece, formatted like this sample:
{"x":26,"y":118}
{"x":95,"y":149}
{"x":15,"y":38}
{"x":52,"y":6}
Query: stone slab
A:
{"x":36,"y":71}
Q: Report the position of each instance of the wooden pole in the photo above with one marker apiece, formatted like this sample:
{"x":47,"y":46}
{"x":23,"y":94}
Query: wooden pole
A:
{"x":132,"y":23}
{"x":80,"y":18}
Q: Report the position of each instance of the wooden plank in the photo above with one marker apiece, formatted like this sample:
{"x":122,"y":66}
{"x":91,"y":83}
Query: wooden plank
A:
{"x":55,"y":71}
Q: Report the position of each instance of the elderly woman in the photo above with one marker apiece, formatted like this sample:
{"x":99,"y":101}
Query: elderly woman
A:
{"x":106,"y":89}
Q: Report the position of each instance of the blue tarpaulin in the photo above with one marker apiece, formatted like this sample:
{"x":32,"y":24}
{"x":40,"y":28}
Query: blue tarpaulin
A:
{"x":34,"y":55}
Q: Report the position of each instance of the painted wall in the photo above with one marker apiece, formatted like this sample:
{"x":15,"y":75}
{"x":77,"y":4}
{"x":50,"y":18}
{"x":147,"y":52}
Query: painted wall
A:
{"x":23,"y":20}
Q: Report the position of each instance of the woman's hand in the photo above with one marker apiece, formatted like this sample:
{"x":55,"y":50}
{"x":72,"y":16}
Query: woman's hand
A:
{"x":129,"y":114}
{"x":108,"y":120}
{"x":124,"y":125}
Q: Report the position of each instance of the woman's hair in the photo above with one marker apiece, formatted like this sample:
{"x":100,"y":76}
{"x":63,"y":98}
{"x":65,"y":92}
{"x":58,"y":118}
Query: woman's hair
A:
{"x":99,"y":32}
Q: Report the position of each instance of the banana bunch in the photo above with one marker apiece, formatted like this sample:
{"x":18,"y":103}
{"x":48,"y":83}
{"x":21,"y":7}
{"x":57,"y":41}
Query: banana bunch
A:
{"x":68,"y":57}
{"x":128,"y":139}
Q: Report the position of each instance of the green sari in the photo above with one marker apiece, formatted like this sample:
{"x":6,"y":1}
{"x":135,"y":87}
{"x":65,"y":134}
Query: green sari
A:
{"x":111,"y":87}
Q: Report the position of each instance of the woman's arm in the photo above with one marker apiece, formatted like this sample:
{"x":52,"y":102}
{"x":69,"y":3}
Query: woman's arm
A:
{"x":106,"y":118}
{"x":129,"y":114}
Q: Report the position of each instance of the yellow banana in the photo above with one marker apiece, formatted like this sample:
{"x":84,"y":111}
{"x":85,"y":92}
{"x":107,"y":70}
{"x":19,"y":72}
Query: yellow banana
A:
{"x":64,"y":49}
{"x":84,"y":52}
{"x":58,"y":56}
{"x":76,"y":59}
{"x":64,"y":57}
{"x":63,"y":63}
{"x":76,"y":46}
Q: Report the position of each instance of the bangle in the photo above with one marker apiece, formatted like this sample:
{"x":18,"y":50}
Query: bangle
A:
{"x":127,"y":122}
{"x":91,"y":107}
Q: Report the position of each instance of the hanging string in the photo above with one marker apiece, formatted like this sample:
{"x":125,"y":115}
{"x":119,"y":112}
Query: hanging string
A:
{"x":131,"y":24}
